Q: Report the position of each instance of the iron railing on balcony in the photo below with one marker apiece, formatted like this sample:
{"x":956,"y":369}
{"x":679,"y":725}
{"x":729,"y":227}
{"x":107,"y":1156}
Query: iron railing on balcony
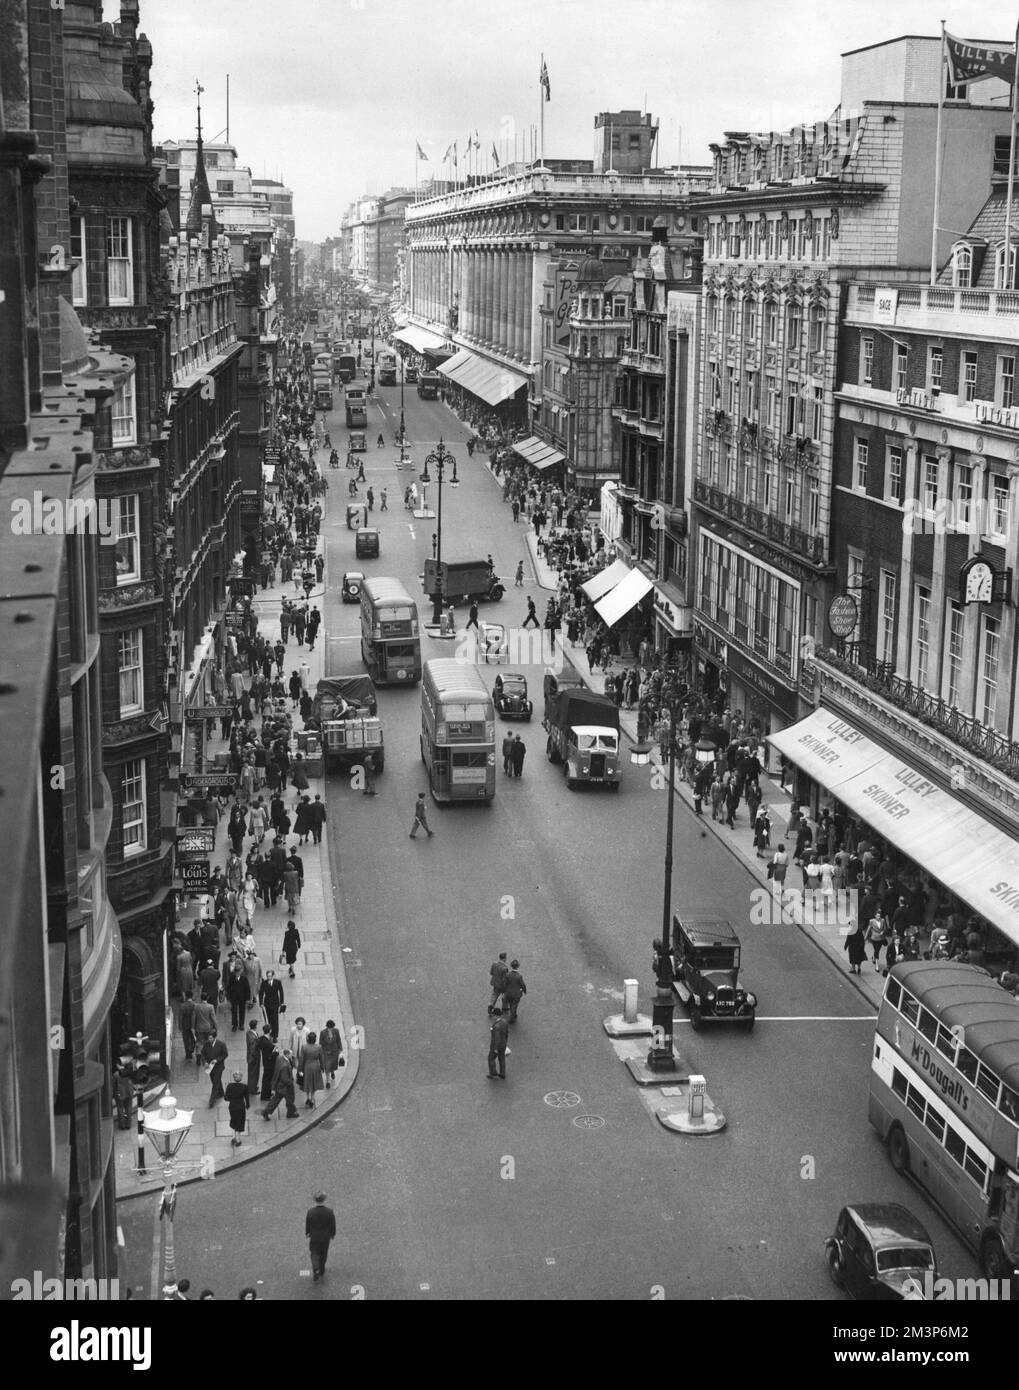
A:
{"x":972,"y":735}
{"x":764,"y":524}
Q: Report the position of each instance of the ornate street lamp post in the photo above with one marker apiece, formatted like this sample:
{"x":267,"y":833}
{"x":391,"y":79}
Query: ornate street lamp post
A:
{"x":661,"y":1056}
{"x":167,"y":1129}
{"x":438,"y":459}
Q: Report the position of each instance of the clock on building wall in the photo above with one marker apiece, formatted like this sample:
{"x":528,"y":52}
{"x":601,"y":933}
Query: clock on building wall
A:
{"x":976,"y":581}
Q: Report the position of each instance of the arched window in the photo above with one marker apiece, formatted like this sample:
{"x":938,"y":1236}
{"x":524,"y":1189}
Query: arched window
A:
{"x":749,"y":319}
{"x":818,"y":319}
{"x":1001,"y":281}
{"x":730,"y":316}
{"x":962,"y":267}
{"x":583,"y":345}
{"x":770,"y":322}
{"x":713,"y":312}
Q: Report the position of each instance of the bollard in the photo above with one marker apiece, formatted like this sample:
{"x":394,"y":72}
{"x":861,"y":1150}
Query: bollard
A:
{"x":629,"y":1001}
{"x":697,"y":1088}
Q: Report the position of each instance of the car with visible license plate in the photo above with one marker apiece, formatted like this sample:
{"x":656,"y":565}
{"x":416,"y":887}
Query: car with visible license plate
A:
{"x":351,"y":589}
{"x":705,"y":972}
{"x":510,"y":696}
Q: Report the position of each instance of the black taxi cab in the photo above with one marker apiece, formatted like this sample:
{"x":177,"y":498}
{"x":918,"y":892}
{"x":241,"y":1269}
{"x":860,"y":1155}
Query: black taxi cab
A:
{"x":705,"y":971}
{"x":879,"y":1250}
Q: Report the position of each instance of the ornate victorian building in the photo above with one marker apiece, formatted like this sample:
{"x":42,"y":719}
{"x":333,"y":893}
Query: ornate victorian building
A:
{"x":791,"y":218}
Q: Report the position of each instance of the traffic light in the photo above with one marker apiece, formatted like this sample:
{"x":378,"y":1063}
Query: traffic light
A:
{"x":136,"y":1058}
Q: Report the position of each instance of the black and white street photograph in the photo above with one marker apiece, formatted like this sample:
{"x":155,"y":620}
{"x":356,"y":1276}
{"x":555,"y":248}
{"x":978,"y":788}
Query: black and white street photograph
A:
{"x":509,"y":731}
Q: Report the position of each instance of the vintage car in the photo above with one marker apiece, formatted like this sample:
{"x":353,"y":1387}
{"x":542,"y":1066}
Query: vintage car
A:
{"x":357,"y":441}
{"x":705,"y":971}
{"x":366,"y":543}
{"x":510,"y":696}
{"x":410,"y":375}
{"x":879,"y":1250}
{"x":351,"y":591}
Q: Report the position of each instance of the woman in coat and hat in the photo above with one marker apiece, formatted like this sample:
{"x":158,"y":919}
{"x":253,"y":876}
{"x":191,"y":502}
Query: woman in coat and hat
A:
{"x":856,"y":948}
{"x":236,"y":1095}
{"x":304,"y":824}
{"x":311,"y":1066}
{"x":291,"y":945}
{"x":299,"y":774}
{"x":331,"y":1043}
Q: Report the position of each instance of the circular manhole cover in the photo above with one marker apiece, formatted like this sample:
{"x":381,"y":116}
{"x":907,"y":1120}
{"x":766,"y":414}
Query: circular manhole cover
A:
{"x":588,"y":1121}
{"x":561,"y":1100}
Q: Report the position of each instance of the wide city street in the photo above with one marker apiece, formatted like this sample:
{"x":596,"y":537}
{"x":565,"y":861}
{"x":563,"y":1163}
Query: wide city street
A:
{"x":448,"y":1186}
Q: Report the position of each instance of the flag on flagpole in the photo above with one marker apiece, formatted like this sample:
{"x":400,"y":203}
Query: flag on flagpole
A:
{"x":477,"y":139}
{"x":972,"y":62}
{"x":449,"y":151}
{"x":453,"y":147}
{"x":495,"y":155}
{"x":421,"y":153}
{"x":543,"y":79}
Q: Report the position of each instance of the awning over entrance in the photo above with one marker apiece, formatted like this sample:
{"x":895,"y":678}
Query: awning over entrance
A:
{"x":492,"y":382}
{"x":537,"y":453}
{"x":420,"y":339}
{"x":626,"y":595}
{"x":606,"y":579}
{"x":969,"y":855}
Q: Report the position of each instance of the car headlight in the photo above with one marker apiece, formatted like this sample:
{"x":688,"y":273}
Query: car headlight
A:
{"x":709,"y":995}
{"x":751,"y":999}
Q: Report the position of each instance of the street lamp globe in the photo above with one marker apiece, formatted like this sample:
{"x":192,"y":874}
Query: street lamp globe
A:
{"x":640,"y":754}
{"x":704,"y":751}
{"x":167,"y":1128}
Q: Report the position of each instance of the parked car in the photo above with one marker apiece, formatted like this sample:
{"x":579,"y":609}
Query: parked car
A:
{"x":366,"y":543}
{"x":351,"y":591}
{"x":510,"y":696}
{"x":705,"y":968}
{"x":357,"y":441}
{"x":880,"y":1250}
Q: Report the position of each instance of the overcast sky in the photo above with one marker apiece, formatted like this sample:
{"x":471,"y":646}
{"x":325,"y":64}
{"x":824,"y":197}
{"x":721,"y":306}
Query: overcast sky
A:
{"x":331,"y":95}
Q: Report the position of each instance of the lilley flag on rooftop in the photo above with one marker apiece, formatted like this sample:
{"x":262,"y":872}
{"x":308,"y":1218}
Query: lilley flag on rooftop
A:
{"x":972,"y":62}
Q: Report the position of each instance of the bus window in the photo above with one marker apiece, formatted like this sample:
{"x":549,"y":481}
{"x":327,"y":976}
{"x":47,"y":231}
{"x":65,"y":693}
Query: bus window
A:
{"x":910,"y":1008}
{"x":968,"y":1064}
{"x":1009,"y":1103}
{"x":936,"y":1124}
{"x":955,"y":1145}
{"x":946,"y":1042}
{"x":989,"y":1084}
{"x":927,"y":1024}
{"x":916,"y":1102}
{"x":899,"y":1084}
{"x":976,"y":1168}
{"x":893,"y":993}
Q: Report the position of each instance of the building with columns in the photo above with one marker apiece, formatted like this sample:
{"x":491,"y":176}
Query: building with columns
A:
{"x":479,"y":257}
{"x":791,"y":220}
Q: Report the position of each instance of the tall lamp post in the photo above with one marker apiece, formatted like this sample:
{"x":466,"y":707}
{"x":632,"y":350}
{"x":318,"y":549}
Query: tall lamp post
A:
{"x":661,"y":1056}
{"x":438,"y":459}
{"x":167,"y":1129}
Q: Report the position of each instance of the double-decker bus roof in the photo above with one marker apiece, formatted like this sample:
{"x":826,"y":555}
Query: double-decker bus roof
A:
{"x":383,"y":589}
{"x":964,"y":996}
{"x":453,"y":678}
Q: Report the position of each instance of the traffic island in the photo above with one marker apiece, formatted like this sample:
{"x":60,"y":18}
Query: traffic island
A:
{"x":688,"y":1109}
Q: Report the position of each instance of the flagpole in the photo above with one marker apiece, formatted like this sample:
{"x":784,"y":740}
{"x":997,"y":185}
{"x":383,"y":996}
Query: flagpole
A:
{"x":1007,"y":284}
{"x":942,"y":77}
{"x":541,"y":115}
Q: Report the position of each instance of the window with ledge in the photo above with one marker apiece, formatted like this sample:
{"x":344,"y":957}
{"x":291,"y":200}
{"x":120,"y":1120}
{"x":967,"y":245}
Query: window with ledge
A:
{"x":79,"y":275}
{"x":989,"y":669}
{"x":771,"y":322}
{"x":119,"y":261}
{"x":901,"y":366}
{"x":130,"y":668}
{"x":123,"y":413}
{"x":732,"y":392}
{"x":954,"y":638}
{"x":793,"y":327}
{"x":560,"y":222}
{"x":968,"y":376}
{"x":826,"y":238}
{"x":886,"y":609}
{"x":930,"y":483}
{"x":813,"y":504}
{"x":713,"y":313}
{"x":771,"y":239}
{"x":1000,"y":281}
{"x":866,"y":360}
{"x":1004,"y":388}
{"x":935,"y":367}
{"x":654,"y":338}
{"x":751,"y":386}
{"x":619,"y":306}
{"x":132,"y":813}
{"x":964,"y":495}
{"x":921,"y":635}
{"x":128,"y":559}
{"x":749,"y":321}
{"x":893,"y":474}
{"x":774,"y":402}
{"x":730,"y":317}
{"x":861,"y":460}
{"x":999,"y":508}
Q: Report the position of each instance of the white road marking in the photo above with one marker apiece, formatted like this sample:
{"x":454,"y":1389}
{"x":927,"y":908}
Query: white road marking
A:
{"x":803,"y":1018}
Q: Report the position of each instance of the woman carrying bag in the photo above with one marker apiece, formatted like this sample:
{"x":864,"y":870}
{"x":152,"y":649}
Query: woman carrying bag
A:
{"x":291,"y":946}
{"x":877,"y":935}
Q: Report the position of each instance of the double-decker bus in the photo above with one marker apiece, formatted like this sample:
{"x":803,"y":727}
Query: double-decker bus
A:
{"x":387,"y":367}
{"x":457,"y":732}
{"x":390,"y":637}
{"x":944,"y":1096}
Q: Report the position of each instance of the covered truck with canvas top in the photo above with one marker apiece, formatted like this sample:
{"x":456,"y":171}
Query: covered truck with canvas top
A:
{"x":583,"y":736}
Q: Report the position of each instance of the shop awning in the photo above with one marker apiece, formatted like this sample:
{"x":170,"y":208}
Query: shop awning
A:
{"x":488,"y":380}
{"x":537,"y":452}
{"x":606,"y":579}
{"x":626,"y":595}
{"x":420,"y":339}
{"x":957,"y":846}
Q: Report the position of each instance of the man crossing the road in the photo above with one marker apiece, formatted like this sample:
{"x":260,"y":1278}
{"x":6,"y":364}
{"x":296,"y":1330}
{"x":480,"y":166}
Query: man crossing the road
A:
{"x":420,"y":818}
{"x":497,"y":1045}
{"x":514,"y":990}
{"x":497,"y":975}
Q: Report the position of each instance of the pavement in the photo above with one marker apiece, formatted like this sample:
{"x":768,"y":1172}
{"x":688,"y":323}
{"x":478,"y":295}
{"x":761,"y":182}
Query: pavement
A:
{"x":827,"y":935}
{"x":319,"y":991}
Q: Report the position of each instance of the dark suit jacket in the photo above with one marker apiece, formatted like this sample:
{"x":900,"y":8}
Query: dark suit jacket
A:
{"x":270,"y":993}
{"x":320,"y":1223}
